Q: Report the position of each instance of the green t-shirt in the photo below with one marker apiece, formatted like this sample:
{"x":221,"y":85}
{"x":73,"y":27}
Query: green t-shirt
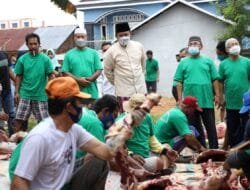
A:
{"x":173,"y":123}
{"x":139,"y":142}
{"x":152,"y":67}
{"x":34,"y":71}
{"x":93,"y":125}
{"x":14,"y":160}
{"x":197,"y":76}
{"x":83,"y":63}
{"x":236,"y":77}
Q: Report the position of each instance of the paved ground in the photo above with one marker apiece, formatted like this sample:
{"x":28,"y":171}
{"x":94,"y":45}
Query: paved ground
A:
{"x":165,"y":104}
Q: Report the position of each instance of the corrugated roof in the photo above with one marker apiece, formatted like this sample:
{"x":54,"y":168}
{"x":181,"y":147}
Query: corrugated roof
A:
{"x":13,"y":39}
{"x":52,"y":36}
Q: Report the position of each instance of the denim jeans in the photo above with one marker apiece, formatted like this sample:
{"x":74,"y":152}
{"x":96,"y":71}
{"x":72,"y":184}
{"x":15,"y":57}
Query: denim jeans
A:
{"x":7,"y":104}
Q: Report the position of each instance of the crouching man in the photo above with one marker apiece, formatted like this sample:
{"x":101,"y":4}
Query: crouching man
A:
{"x":47,"y":156}
{"x":173,"y":127}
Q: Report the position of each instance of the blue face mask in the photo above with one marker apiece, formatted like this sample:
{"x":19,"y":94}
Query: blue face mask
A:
{"x":193,"y":50}
{"x":107,"y":120}
{"x":76,"y":118}
{"x":221,"y":57}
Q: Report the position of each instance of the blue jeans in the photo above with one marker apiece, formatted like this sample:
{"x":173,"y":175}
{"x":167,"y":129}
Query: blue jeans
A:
{"x":7,"y":104}
{"x":180,"y":142}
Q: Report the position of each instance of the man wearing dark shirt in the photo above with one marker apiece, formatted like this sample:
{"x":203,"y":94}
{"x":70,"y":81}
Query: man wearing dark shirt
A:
{"x":6,"y":101}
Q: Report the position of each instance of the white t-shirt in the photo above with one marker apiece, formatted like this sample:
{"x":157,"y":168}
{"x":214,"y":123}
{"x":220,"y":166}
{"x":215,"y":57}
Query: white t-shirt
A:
{"x":48,"y":155}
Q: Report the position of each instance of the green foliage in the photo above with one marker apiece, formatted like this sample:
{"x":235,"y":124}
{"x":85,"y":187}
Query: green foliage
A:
{"x":65,"y":5}
{"x":235,"y":10}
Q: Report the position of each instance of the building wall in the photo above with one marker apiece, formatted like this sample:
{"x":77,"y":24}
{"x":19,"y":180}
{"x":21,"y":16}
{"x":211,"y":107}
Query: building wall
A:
{"x":169,"y":32}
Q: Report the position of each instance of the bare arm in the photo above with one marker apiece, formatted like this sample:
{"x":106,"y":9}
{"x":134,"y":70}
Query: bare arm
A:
{"x":51,"y":76}
{"x":80,"y":80}
{"x":19,"y":183}
{"x":194,"y":143}
{"x":179,"y":91}
{"x":18,"y":82}
{"x":68,"y":74}
{"x":221,"y":89}
{"x":12,"y":76}
{"x":98,"y":149}
{"x":217,"y":92}
{"x":94,"y":76}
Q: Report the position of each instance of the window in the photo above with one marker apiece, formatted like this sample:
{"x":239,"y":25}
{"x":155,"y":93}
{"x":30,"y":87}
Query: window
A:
{"x":14,"y":25}
{"x":26,"y":24}
{"x":3,"y":26}
{"x":103,"y":32}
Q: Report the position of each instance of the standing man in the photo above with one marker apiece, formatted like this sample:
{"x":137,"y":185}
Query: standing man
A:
{"x":83,"y":64}
{"x":104,"y":86}
{"x":234,"y":77}
{"x":32,"y":70}
{"x":124,"y":64}
{"x":152,"y":72}
{"x":197,"y":76}
{"x":51,"y":145}
{"x":6,"y":97}
{"x":182,"y":54}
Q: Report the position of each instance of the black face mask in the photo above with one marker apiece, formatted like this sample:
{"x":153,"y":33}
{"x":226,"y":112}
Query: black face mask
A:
{"x":76,"y":118}
{"x":107,"y":121}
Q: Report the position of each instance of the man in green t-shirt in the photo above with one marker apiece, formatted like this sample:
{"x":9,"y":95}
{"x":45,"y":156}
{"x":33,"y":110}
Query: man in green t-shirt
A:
{"x":173,"y":127}
{"x":98,"y":120}
{"x":197,"y":76}
{"x":83,"y":64}
{"x":182,"y":54}
{"x":32,"y":70}
{"x":152,"y":72}
{"x":234,"y":77}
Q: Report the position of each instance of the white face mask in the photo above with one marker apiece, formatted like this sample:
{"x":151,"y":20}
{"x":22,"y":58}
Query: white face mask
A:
{"x":124,"y":40}
{"x":235,"y":50}
{"x":193,"y":50}
{"x":81,"y":43}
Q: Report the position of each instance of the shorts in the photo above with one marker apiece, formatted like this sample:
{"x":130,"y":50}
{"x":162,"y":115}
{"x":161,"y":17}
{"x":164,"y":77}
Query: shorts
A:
{"x":151,"y":164}
{"x":38,"y":108}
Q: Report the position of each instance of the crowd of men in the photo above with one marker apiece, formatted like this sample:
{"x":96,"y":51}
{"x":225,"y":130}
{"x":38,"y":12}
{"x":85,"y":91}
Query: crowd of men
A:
{"x":76,"y":107}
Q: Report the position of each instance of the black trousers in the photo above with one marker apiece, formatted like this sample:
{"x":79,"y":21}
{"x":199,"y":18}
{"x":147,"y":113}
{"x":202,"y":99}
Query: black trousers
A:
{"x":151,"y":86}
{"x":91,"y":176}
{"x":206,"y":117}
{"x":236,"y":123}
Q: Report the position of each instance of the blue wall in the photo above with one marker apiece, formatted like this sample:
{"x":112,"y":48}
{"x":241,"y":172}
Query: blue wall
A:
{"x":208,"y":6}
{"x":93,"y":14}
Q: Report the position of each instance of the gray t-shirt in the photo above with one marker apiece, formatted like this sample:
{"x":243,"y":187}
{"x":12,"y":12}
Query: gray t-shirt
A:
{"x":48,"y":155}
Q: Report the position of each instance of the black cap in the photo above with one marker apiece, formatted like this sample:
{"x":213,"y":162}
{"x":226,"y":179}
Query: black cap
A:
{"x":195,"y":38}
{"x":122,"y":27}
